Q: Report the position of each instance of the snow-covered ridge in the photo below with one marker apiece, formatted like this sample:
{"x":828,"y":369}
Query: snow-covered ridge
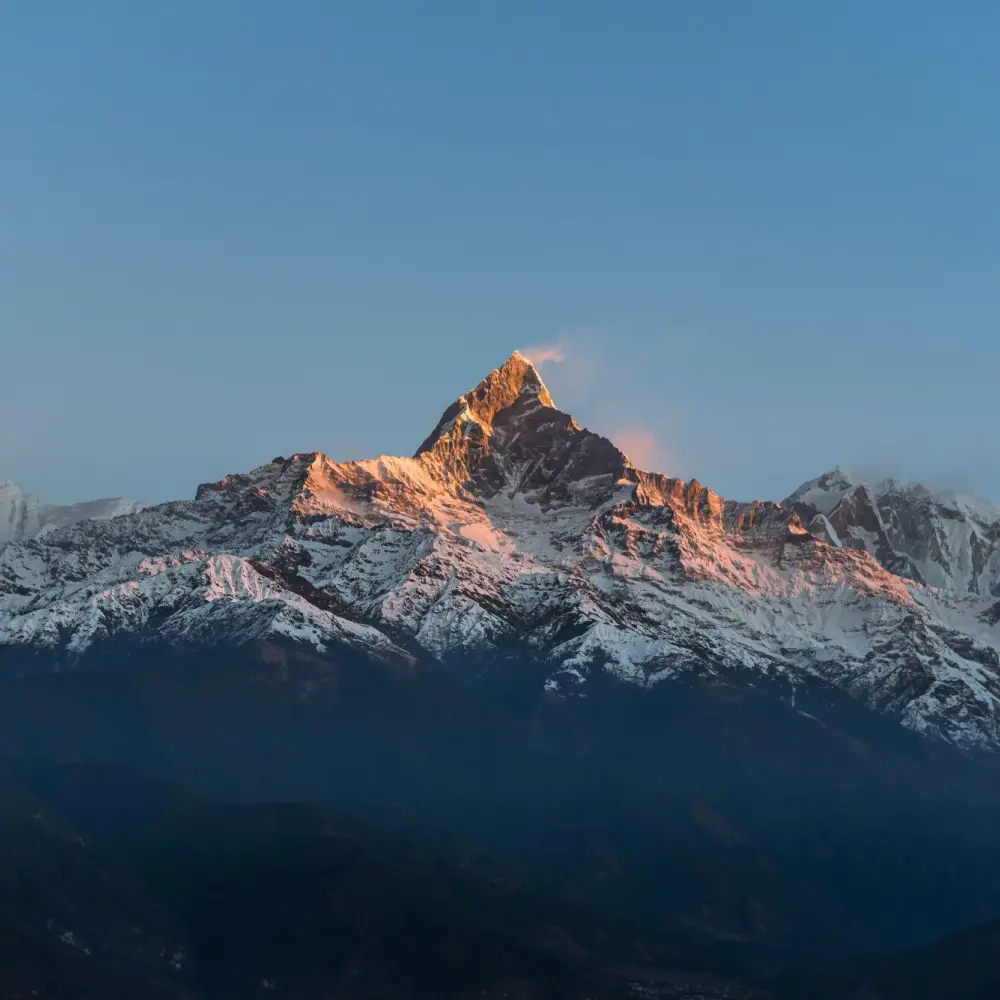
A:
{"x":512,"y":525}
{"x":936,"y":537}
{"x":23,"y":517}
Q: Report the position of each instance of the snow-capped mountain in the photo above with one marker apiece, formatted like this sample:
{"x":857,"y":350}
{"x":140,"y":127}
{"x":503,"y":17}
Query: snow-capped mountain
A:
{"x":939,"y":538}
{"x":23,"y":517}
{"x":513,"y":527}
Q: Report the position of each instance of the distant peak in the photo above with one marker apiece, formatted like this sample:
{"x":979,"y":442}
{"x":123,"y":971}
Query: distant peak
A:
{"x":835,"y":478}
{"x":824,"y":492}
{"x":839,"y":475}
{"x":515,"y":381}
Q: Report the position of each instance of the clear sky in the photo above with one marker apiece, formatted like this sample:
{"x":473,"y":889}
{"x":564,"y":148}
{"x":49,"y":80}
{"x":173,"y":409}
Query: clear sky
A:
{"x":763,"y":235}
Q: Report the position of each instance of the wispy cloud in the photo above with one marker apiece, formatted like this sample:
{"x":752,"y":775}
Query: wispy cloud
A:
{"x":544,"y":354}
{"x":976,"y":476}
{"x":643,"y":448}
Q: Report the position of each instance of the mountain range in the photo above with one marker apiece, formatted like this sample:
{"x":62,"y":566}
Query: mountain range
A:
{"x":510,"y":718}
{"x":512,"y":525}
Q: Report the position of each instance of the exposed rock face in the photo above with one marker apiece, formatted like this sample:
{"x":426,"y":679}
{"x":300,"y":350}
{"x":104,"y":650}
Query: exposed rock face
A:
{"x":938,"y":538}
{"x":507,"y":435}
{"x":514,"y":527}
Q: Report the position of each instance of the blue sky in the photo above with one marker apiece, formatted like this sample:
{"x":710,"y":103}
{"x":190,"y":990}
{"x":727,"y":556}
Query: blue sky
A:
{"x":764,"y":236}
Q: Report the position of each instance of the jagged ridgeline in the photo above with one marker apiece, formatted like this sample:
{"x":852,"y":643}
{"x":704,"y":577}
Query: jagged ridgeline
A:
{"x":514,"y":528}
{"x":553,"y":726}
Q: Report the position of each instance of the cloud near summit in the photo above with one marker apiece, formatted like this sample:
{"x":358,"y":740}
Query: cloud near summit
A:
{"x":543,"y":354}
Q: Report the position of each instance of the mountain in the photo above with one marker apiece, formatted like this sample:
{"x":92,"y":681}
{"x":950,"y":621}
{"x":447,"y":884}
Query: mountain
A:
{"x":291,"y":900}
{"x":118,"y":886}
{"x":23,"y":517}
{"x":939,"y":538}
{"x":514,"y":529}
{"x":531,"y":711}
{"x":147,"y":890}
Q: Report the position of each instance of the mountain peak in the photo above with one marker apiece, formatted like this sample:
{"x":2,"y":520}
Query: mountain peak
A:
{"x":506,"y":433}
{"x":515,"y":381}
{"x":824,"y":492}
